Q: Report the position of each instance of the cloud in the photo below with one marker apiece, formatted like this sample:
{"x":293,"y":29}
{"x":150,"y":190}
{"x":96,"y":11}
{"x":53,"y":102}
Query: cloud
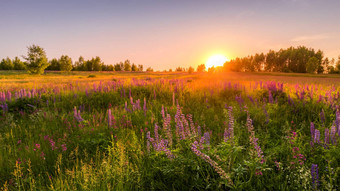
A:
{"x":310,"y":37}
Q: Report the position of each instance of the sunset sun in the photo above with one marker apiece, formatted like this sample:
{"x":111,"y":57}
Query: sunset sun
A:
{"x":216,"y":60}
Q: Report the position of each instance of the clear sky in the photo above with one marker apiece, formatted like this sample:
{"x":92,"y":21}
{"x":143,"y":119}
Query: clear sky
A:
{"x":165,"y":34}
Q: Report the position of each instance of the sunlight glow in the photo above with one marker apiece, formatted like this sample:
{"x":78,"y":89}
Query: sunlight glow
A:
{"x":216,"y":60}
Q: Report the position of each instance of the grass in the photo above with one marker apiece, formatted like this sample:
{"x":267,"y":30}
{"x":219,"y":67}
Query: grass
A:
{"x":169,"y":131}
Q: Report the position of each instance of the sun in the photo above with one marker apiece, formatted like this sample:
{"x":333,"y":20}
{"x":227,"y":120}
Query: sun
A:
{"x":216,"y":60}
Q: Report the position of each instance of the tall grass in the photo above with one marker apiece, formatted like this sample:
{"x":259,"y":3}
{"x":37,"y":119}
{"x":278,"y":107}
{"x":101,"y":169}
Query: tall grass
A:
{"x":156,"y":133}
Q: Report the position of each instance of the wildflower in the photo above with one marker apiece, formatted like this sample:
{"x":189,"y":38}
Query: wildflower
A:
{"x":326,"y":136}
{"x":63,"y":147}
{"x":253,"y":140}
{"x":317,"y":136}
{"x":229,"y":133}
{"x":258,"y":172}
{"x":206,"y":158}
{"x":315,"y":176}
{"x":322,"y":116}
{"x":270,"y":97}
{"x":77,"y":115}
{"x":42,"y":155}
{"x":277,"y":164}
{"x":312,"y":130}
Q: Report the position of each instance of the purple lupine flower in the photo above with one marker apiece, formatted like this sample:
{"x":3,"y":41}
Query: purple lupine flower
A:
{"x":167,"y":128}
{"x":162,"y":112}
{"x":253,"y":140}
{"x":251,"y":99}
{"x":326,"y":136}
{"x":337,"y":122}
{"x":77,"y":115}
{"x":206,"y":136}
{"x":226,"y":135}
{"x":312,"y":130}
{"x":163,"y":147}
{"x":217,"y":168}
{"x":317,"y":136}
{"x":239,"y":100}
{"x":270,"y":97}
{"x":229,"y":132}
{"x":199,"y":131}
{"x":322,"y":116}
{"x":315,"y":176}
{"x":333,"y":135}
{"x":192,"y":125}
{"x":126,"y":107}
{"x":156,"y":134}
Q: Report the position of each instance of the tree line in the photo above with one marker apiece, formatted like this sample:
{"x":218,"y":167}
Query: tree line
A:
{"x":36,"y":62}
{"x":298,"y":60}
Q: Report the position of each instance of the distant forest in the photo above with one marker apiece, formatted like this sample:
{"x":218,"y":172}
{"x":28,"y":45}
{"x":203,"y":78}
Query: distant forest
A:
{"x":296,"y":60}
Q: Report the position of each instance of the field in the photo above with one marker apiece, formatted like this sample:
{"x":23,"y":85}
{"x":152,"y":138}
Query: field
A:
{"x":169,"y":131}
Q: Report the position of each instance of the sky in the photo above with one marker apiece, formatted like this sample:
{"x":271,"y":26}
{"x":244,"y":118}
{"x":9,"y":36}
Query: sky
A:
{"x":165,"y":34}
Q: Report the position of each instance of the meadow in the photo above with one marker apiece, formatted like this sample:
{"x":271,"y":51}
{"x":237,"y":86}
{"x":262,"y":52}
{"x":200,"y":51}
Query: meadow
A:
{"x":169,"y":131}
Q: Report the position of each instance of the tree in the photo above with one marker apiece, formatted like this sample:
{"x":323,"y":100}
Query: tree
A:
{"x":127,"y":65}
{"x":6,"y":64}
{"x":258,"y":62}
{"x":191,"y":70}
{"x":149,"y":69}
{"x":134,"y":68}
{"x":54,"y":65}
{"x":201,"y":68}
{"x":179,"y":69}
{"x":337,"y":65}
{"x":312,"y":65}
{"x":140,"y":67}
{"x":36,"y":60}
{"x":18,"y":64}
{"x":97,"y":64}
{"x":80,"y":64}
{"x":211,"y":69}
{"x":118,"y":67}
{"x":65,"y":63}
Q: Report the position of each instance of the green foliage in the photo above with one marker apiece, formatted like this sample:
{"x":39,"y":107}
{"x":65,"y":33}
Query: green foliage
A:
{"x":312,"y":65}
{"x":36,"y":60}
{"x":65,"y":63}
{"x":127,"y":65}
{"x":45,"y":147}
{"x":18,"y":64}
{"x":285,"y":60}
{"x":6,"y":64}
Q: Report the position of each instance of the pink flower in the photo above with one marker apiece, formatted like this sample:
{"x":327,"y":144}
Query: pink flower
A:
{"x":258,"y":173}
{"x":42,"y":155}
{"x":63,"y":147}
